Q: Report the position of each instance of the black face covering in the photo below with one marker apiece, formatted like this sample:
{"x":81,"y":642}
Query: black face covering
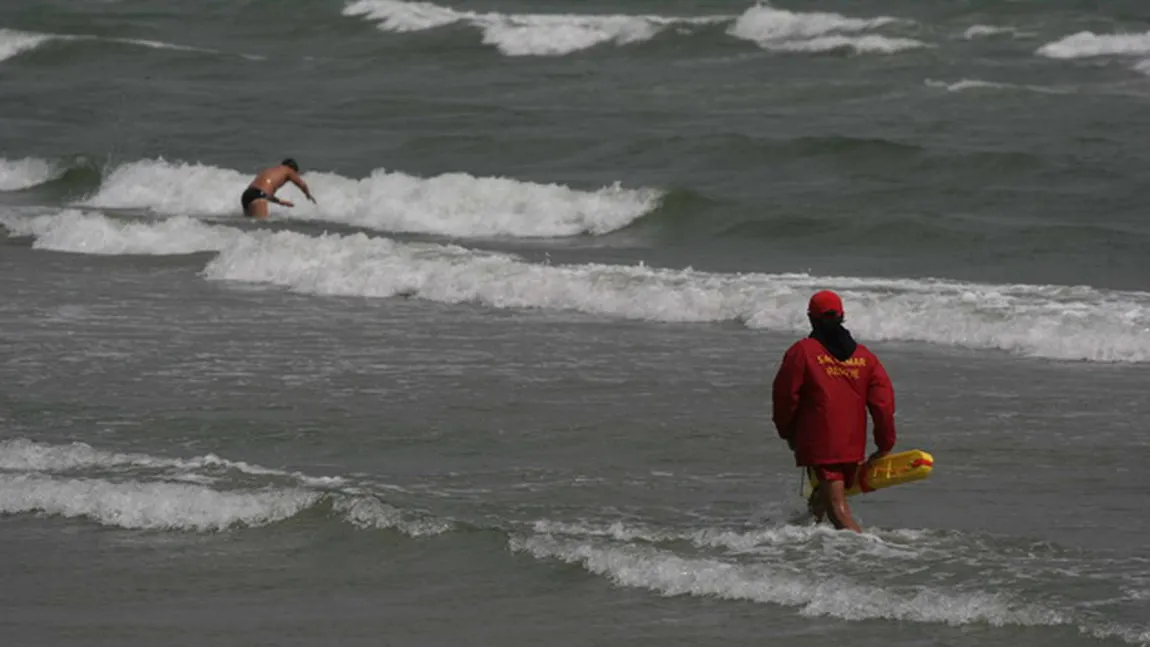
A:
{"x":836,"y":339}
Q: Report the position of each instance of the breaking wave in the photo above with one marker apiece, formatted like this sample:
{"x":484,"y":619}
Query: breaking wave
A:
{"x":815,"y":570}
{"x":455,"y":204}
{"x":200,"y":494}
{"x":560,"y":34}
{"x":787,"y":31}
{"x":16,"y":175}
{"x":14,"y":42}
{"x":825,"y":573}
{"x":1053,"y":321}
{"x":522,"y":34}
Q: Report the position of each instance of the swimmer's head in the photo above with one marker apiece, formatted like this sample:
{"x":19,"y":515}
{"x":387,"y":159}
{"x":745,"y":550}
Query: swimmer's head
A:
{"x":290,"y":163}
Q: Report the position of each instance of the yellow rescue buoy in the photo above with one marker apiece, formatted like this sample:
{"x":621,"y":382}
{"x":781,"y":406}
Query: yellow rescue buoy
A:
{"x":888,"y":471}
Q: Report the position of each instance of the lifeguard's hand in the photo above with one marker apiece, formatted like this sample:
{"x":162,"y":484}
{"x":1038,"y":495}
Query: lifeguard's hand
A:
{"x":309,"y":197}
{"x":286,"y":203}
{"x":875,"y":456}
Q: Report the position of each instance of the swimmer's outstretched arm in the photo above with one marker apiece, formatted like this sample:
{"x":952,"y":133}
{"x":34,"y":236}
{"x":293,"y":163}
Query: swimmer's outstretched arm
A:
{"x":298,"y":181}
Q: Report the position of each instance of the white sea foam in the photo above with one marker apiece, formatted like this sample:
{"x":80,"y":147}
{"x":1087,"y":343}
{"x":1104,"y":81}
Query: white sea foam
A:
{"x":670,"y":574}
{"x":371,"y":513}
{"x":22,"y":455}
{"x":964,"y":85}
{"x":824,"y":572}
{"x":1088,"y":44}
{"x":523,"y":34}
{"x":398,"y":16}
{"x":135,"y":490}
{"x":75,"y":231}
{"x":13,"y":42}
{"x":763,"y":23}
{"x":155,"y":44}
{"x":171,"y":188}
{"x":788,"y":31}
{"x":454,"y":204}
{"x":149,"y":505}
{"x":766,"y":540}
{"x":870,"y":43}
{"x":1063,"y":322}
{"x":24,"y":173}
{"x":1049,"y":321}
{"x":559,"y":34}
{"x":985,"y":31}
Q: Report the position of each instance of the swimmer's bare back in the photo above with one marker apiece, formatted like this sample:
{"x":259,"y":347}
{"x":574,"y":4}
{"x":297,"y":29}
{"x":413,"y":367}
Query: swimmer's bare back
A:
{"x":263,"y":189}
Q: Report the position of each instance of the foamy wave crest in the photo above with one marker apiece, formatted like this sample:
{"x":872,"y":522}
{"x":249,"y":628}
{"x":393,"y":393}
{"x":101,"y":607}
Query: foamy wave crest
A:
{"x":23,"y":455}
{"x":1088,"y":44}
{"x":455,"y":204}
{"x":964,"y":85}
{"x":669,"y":574}
{"x":521,"y":34}
{"x":14,"y":42}
{"x":788,"y":31}
{"x":76,"y":231}
{"x":154,"y":505}
{"x":371,"y":513}
{"x":462,"y":205}
{"x":871,"y":43}
{"x":559,"y":34}
{"x":829,"y":573}
{"x":985,"y":31}
{"x":399,"y":16}
{"x":1062,"y":322}
{"x":134,"y":490}
{"x":763,"y":541}
{"x":171,"y":188}
{"x":28,"y":172}
{"x":1048,"y":321}
{"x":202,"y":493}
{"x":184,"y":503}
{"x":1132,"y":635}
{"x":155,"y":44}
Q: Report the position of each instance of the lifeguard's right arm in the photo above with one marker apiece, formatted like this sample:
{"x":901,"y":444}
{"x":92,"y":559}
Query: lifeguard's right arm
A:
{"x":880,"y":403}
{"x":785,"y":392}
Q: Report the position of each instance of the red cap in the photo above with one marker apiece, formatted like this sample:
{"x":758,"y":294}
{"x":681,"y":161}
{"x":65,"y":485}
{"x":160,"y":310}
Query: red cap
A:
{"x":825,"y":305}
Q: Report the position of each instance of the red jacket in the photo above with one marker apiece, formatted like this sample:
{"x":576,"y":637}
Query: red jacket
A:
{"x":820,"y":404}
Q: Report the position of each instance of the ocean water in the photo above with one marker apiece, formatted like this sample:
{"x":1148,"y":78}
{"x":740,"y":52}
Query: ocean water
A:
{"x":507,"y":383}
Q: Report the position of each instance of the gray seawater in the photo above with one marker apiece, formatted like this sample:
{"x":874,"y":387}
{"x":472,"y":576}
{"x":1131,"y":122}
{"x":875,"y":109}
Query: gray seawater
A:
{"x":508,"y":382}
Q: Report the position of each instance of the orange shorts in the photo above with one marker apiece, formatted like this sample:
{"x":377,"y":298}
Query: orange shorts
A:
{"x":844,"y":472}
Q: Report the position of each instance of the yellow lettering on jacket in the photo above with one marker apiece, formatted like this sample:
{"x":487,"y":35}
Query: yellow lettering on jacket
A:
{"x":839,"y":371}
{"x":838,"y":368}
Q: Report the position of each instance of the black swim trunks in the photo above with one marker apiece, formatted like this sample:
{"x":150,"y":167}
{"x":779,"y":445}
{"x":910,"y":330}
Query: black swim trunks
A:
{"x":252,"y":194}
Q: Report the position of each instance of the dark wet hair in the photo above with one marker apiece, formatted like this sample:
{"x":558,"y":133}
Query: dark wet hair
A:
{"x":290,"y":163}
